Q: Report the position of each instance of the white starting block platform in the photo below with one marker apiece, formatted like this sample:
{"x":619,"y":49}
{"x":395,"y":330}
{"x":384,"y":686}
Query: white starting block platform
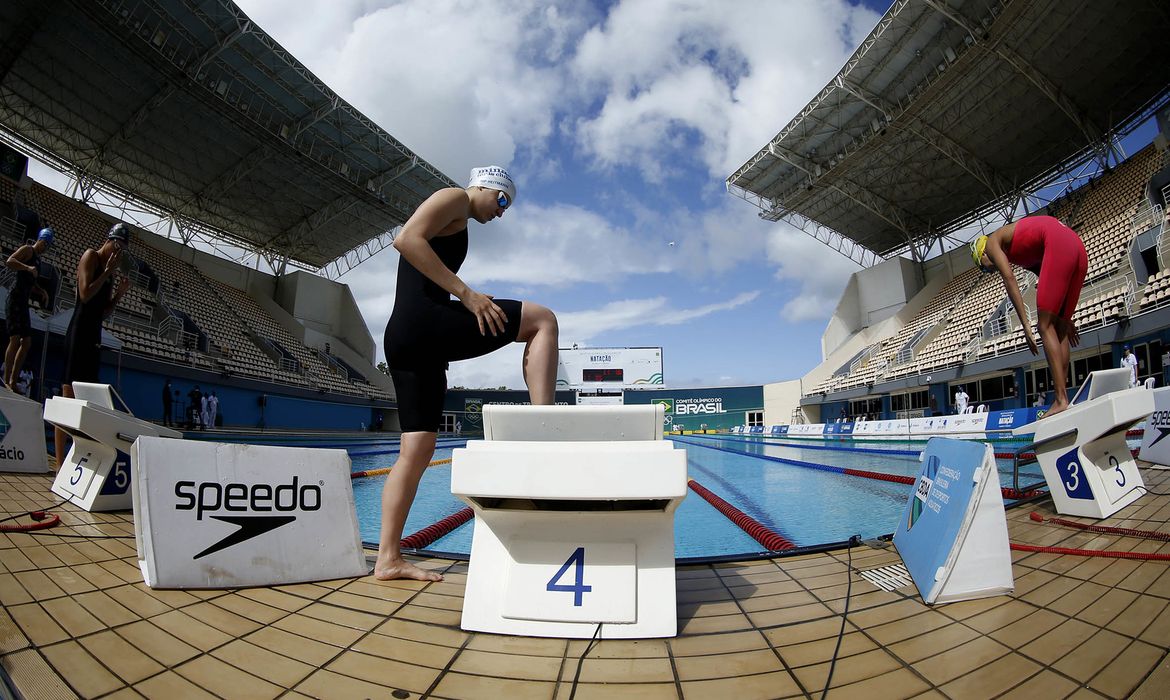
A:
{"x":22,"y":434}
{"x":574,"y":522}
{"x":96,"y":474}
{"x":1083,"y":452}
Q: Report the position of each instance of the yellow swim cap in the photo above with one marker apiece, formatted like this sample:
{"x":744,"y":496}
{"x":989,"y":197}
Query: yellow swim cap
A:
{"x":977,"y":247}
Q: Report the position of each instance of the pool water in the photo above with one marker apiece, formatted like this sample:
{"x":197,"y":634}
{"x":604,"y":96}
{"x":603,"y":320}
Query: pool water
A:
{"x":806,"y":505}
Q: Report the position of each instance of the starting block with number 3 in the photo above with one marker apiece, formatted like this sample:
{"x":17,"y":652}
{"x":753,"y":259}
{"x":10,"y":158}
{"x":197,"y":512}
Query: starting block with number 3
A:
{"x":574,"y":522}
{"x":1083,"y":452}
{"x":95,"y":475}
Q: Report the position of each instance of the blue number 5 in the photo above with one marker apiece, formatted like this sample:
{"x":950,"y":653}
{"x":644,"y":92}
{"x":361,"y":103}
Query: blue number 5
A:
{"x":576,"y":559}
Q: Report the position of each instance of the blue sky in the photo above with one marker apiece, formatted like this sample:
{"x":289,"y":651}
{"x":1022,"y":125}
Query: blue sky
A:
{"x":620,"y":122}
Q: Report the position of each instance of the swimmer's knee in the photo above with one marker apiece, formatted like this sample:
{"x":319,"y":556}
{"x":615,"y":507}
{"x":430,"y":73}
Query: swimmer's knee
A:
{"x":537,"y":317}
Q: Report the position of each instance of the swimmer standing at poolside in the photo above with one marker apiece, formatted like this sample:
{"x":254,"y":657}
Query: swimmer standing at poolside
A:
{"x":1057,"y":256}
{"x":428,"y":329}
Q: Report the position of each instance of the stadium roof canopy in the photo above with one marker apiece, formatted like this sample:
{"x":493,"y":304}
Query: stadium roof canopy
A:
{"x":189,"y":107}
{"x":952,"y":107}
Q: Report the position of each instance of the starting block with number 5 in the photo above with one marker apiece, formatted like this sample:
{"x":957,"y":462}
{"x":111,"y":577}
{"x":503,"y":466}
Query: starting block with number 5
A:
{"x":95,"y":475}
{"x":1083,"y":452}
{"x":574,"y":522}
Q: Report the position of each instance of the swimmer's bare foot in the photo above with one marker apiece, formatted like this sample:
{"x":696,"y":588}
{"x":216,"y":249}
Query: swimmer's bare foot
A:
{"x":1056,"y":408}
{"x":400,"y":569}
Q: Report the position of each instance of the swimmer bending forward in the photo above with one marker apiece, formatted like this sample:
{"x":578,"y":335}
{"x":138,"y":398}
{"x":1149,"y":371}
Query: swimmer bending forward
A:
{"x":1057,"y":256}
{"x":428,"y":329}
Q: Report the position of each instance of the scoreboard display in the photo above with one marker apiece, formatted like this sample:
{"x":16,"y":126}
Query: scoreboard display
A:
{"x":609,"y":368}
{"x":605,"y":374}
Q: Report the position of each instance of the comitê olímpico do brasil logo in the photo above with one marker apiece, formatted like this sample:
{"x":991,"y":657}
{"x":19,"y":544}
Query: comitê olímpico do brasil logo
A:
{"x":922,"y":490}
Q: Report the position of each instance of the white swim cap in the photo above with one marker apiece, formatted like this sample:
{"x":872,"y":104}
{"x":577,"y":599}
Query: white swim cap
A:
{"x":494,"y":177}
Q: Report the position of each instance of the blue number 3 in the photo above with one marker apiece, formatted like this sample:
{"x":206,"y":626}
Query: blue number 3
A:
{"x":577,"y":560}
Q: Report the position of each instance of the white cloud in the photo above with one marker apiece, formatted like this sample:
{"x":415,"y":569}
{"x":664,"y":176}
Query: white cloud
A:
{"x":661,"y":89}
{"x":503,"y":368}
{"x":730,"y":72}
{"x":820,"y":272}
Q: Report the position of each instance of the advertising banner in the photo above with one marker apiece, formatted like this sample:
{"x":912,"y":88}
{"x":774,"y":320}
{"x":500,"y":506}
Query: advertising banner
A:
{"x":22,"y":435}
{"x":953,"y":534}
{"x":215,"y":515}
{"x":1155,"y":446}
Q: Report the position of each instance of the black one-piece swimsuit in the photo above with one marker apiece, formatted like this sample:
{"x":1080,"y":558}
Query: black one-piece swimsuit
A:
{"x":428,"y":329}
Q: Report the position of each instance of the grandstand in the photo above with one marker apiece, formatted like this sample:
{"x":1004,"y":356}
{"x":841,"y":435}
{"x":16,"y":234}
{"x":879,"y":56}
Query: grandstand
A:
{"x":949,"y":120}
{"x":191,"y":123}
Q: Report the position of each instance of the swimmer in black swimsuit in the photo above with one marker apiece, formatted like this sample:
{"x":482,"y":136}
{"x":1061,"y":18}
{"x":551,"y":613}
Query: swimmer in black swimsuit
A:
{"x":99,"y":289}
{"x":428,"y":329}
{"x":26,"y":261}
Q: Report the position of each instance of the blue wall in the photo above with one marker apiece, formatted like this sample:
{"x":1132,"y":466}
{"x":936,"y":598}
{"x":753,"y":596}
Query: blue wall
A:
{"x":240,"y":407}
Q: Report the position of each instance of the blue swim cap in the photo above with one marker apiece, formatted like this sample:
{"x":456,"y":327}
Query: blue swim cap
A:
{"x":46,"y":235}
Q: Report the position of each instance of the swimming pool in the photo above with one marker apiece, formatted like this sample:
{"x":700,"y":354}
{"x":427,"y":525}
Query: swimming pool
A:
{"x":795,"y":488}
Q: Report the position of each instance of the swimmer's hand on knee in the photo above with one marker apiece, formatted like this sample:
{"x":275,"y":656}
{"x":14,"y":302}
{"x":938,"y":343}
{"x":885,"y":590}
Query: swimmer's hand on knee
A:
{"x":488,"y":315}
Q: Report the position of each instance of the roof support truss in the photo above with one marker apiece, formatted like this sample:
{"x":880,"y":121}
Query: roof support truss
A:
{"x":893,"y":215}
{"x":1092,"y":133}
{"x":928,"y":134}
{"x":845,"y":246}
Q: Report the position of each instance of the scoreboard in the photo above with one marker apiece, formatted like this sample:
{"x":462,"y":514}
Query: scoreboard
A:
{"x":609,"y":368}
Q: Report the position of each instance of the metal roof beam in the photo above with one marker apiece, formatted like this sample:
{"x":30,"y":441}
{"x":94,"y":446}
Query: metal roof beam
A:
{"x":975,"y":166}
{"x":130,"y":126}
{"x":845,"y":246}
{"x":890,"y":213}
{"x":1092,"y":133}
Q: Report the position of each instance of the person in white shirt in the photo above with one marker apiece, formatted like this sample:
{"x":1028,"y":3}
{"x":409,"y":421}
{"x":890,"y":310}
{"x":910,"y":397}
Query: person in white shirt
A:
{"x":961,"y":399}
{"x":203,"y":415}
{"x":212,"y":409}
{"x":1128,"y":359}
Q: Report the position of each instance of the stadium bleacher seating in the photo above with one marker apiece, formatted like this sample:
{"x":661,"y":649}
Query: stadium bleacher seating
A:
{"x":950,"y":329}
{"x":241,"y":337}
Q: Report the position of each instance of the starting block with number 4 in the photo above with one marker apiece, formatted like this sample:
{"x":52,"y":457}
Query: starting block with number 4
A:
{"x":1083,"y":452}
{"x":95,"y":475}
{"x":574,"y":522}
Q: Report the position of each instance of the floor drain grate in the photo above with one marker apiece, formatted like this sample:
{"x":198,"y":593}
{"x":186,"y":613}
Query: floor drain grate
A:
{"x":888,"y":578}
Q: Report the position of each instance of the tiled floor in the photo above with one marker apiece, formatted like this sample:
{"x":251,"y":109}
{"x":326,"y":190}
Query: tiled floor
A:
{"x":77,"y":621}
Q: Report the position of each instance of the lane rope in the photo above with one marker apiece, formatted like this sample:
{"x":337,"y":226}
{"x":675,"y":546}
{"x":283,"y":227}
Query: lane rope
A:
{"x":1008,"y":492}
{"x":386,"y":470}
{"x":771,"y":540}
{"x":430,"y":533}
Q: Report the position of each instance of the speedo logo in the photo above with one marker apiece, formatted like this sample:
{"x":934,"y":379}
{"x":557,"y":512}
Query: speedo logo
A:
{"x":1160,"y":421}
{"x":210,"y":497}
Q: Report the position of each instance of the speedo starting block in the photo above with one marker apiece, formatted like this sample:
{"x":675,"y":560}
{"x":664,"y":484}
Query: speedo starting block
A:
{"x":95,"y":475}
{"x":574,"y":522}
{"x":1083,"y":452}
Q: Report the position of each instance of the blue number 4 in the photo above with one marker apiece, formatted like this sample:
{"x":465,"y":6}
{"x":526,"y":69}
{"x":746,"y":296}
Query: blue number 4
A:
{"x":576,"y":559}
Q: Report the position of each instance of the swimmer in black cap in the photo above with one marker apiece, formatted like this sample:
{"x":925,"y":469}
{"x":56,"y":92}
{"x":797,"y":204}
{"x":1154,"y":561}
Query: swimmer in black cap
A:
{"x":99,"y":289}
{"x":26,"y":261}
{"x":428,"y":329}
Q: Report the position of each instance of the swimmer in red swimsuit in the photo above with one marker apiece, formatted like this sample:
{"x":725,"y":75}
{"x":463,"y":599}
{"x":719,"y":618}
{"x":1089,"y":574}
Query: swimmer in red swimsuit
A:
{"x":1056,"y":254}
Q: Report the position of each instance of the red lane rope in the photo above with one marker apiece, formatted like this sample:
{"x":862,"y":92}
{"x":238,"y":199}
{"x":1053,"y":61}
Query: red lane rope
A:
{"x":761,"y":534}
{"x":1032,"y":455}
{"x":1110,"y":554}
{"x":43,"y":523}
{"x":1146,"y":534}
{"x":1008,"y":492}
{"x":881,"y":476}
{"x":430,"y":533}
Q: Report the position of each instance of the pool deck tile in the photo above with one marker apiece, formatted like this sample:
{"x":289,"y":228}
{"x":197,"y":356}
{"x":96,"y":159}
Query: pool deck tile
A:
{"x":77,"y":621}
